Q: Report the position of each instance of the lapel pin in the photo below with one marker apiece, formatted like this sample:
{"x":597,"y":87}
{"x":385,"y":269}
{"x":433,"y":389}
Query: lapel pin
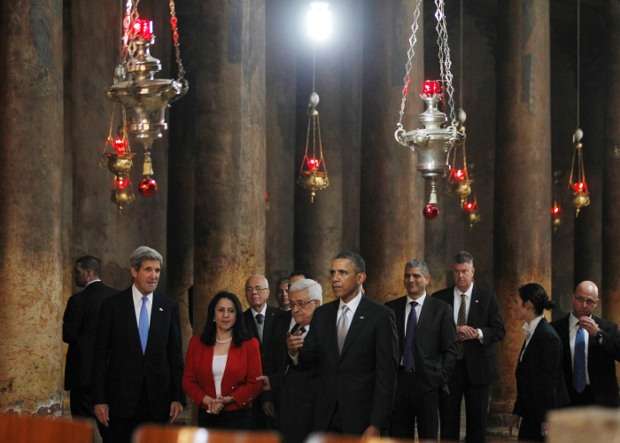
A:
{"x":161,"y":309}
{"x":361,"y":317}
{"x":476,"y":301}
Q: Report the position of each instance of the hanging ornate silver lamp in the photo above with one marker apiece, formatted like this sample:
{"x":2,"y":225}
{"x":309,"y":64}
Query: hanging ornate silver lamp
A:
{"x":143,"y":97}
{"x":440,"y":133}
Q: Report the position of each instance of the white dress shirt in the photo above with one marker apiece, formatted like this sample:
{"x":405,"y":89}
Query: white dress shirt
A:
{"x":573,"y":325}
{"x":418,"y":309}
{"x":529,"y":328}
{"x":457,"y":305}
{"x":262,"y":311}
{"x":352,"y":305}
{"x":137,"y":303}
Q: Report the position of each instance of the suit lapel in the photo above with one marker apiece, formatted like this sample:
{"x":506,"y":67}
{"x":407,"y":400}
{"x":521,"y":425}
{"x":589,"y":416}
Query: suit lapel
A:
{"x":357,"y":324}
{"x":131,"y":320}
{"x":330,"y":326}
{"x":157,"y":310}
{"x":251,"y":325}
{"x":269,"y":319}
{"x":400,"y":318}
{"x":474,"y":307}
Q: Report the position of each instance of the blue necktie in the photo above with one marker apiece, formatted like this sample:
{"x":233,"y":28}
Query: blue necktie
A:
{"x":579,"y":370}
{"x":143,"y":323}
{"x":412,"y":322}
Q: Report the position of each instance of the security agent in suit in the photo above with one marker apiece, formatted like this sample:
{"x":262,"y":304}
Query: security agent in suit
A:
{"x":294,"y":388}
{"x":138,"y":356}
{"x":591,"y":347}
{"x":353,"y":346}
{"x":540,"y":379}
{"x":259,"y":319}
{"x":479,"y":326}
{"x":79,"y":328}
{"x":427,"y":355}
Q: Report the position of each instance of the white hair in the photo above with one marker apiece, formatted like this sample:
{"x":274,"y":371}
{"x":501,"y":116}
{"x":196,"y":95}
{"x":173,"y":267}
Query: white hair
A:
{"x":314,"y":288}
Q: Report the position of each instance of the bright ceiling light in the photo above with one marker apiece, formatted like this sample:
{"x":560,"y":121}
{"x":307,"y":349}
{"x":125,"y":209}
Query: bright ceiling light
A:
{"x":319,"y":21}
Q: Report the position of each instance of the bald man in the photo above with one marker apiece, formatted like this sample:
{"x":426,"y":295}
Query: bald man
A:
{"x":259,"y":318}
{"x":591,"y":348}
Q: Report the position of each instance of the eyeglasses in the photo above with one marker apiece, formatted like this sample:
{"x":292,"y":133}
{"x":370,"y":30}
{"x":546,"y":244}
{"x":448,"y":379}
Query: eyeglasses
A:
{"x":250,"y":289}
{"x":300,"y":305}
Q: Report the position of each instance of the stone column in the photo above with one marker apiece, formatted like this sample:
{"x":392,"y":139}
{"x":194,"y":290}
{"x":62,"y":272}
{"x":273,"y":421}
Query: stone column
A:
{"x":229,"y":66}
{"x":281,"y":52}
{"x":392,"y":227}
{"x":523,"y":173}
{"x":331,"y":223}
{"x":31,"y":164}
{"x":611,"y":215}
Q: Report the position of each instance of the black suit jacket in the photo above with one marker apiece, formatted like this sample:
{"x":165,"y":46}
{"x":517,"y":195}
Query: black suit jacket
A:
{"x":271,"y":316}
{"x":435,"y":349}
{"x":121,"y":370}
{"x":79,"y":329}
{"x":361,"y":381}
{"x":601,"y":361}
{"x":483,"y":314}
{"x":294,"y":387}
{"x":540,"y":379}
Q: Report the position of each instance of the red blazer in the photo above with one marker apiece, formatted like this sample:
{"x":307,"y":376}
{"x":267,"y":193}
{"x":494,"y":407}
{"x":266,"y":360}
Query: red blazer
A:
{"x":239,"y":381}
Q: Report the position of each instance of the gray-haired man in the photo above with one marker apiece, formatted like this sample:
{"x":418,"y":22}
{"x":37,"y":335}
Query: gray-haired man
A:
{"x":294,"y":387}
{"x":138,"y":357}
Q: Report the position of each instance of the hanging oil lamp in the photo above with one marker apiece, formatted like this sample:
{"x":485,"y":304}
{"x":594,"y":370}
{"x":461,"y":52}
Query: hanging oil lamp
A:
{"x":439,"y":133}
{"x":556,"y":215}
{"x":313,"y":169}
{"x":577,"y":181}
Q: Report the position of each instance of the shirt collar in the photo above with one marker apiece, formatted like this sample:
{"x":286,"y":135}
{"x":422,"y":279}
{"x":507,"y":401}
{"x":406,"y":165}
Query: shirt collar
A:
{"x":262,"y":311}
{"x":457,"y":291}
{"x":137,"y":295}
{"x":530,"y":327}
{"x":354,"y":302}
{"x":419,"y":300}
{"x":91,"y":282}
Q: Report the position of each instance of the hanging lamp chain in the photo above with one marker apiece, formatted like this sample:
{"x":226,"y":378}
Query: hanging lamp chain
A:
{"x":176,"y":42}
{"x":445,"y":63}
{"x":409,"y":65}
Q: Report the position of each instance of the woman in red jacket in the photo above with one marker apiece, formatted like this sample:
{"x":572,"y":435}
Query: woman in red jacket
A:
{"x":222,"y":366}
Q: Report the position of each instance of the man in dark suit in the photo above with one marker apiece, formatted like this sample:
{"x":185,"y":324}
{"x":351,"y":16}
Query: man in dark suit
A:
{"x":479,"y":326}
{"x":79,"y":328}
{"x":294,"y":387}
{"x":259,"y":319}
{"x":138,"y":356}
{"x":591,"y":346}
{"x":353,"y":346}
{"x":427,"y":353}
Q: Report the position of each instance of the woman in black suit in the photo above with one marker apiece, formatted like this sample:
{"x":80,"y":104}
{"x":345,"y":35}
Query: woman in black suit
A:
{"x":540,"y":379}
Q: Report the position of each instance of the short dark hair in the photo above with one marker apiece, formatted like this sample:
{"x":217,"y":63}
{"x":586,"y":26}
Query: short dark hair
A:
{"x":358,"y":262}
{"x":89,"y":263}
{"x":463,"y":257}
{"x":536,"y":294}
{"x":239,"y":332}
{"x":415,"y":263}
{"x":299,"y":272}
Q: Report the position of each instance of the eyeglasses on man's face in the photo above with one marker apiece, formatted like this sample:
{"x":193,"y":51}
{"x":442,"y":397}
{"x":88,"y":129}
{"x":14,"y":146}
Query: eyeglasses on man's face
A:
{"x":250,"y":289}
{"x":300,"y":304}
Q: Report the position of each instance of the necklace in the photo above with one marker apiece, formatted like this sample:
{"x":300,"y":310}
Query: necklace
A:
{"x":226,"y":340}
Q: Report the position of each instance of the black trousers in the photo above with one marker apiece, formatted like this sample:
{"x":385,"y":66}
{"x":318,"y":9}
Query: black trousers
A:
{"x":122,"y":428}
{"x":476,"y":407}
{"x":242,"y":419}
{"x":414,"y":405}
{"x":530,"y":430}
{"x":81,"y":403}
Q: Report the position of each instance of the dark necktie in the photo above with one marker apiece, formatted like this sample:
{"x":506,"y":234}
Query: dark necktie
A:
{"x":460,"y":321}
{"x":409,"y":352}
{"x":579,"y":370}
{"x":260,"y":318}
{"x":296,"y":329}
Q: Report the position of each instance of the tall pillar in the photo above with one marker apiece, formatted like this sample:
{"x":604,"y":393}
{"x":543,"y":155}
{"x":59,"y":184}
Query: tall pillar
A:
{"x":181,"y":190}
{"x":331,"y":223}
{"x":98,"y":227}
{"x":281,"y":51}
{"x":31,"y":164}
{"x":229,"y":238}
{"x":392,"y":228}
{"x":611,"y":215}
{"x":523,"y":171}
